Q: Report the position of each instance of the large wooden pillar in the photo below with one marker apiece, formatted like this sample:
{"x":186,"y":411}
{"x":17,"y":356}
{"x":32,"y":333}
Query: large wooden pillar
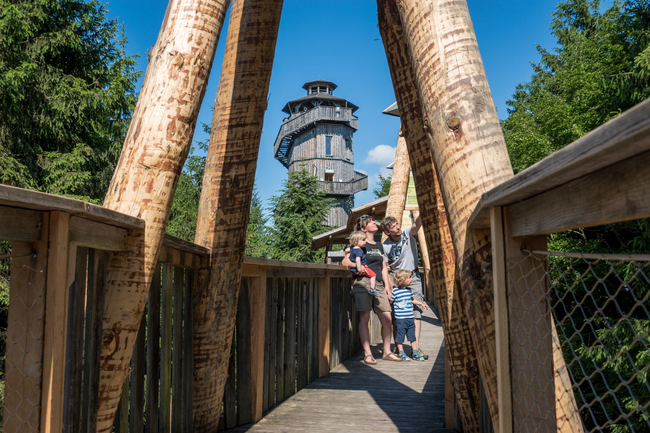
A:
{"x":463,"y":364}
{"x":467,"y":147}
{"x":146,"y":175}
{"x":226,"y":195}
{"x":399,"y":182}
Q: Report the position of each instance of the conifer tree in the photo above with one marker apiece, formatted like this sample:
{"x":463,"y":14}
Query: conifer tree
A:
{"x":298,"y":215}
{"x":66,"y":96}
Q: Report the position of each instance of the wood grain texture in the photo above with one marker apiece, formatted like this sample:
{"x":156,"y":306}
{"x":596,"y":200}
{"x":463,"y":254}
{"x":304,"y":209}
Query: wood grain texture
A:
{"x":227,"y":191}
{"x":387,"y":397}
{"x":530,"y":328}
{"x":20,"y":224}
{"x":399,"y":182}
{"x":623,"y":137}
{"x":620,"y":192}
{"x":24,"y":408}
{"x":462,"y":355}
{"x":92,"y":234}
{"x":468,"y":150}
{"x":258,"y":320}
{"x":154,"y":151}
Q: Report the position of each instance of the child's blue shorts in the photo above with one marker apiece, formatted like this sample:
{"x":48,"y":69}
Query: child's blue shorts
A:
{"x":405,"y":327}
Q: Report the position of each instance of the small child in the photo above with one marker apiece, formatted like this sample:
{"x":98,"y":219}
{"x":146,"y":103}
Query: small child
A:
{"x":358,"y":241}
{"x":404,"y":321}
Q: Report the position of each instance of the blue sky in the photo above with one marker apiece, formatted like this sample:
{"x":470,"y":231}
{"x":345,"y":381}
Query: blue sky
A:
{"x":338,"y":41}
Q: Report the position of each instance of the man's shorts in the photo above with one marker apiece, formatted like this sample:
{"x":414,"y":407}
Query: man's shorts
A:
{"x":364,"y":301}
{"x":416,"y":288}
{"x":405,"y":327}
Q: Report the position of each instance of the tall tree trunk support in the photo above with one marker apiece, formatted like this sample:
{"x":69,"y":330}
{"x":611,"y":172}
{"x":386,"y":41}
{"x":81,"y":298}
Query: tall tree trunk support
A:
{"x":468,"y":149}
{"x":399,"y":182}
{"x":226,"y":195}
{"x":462,"y":360}
{"x":146,"y":175}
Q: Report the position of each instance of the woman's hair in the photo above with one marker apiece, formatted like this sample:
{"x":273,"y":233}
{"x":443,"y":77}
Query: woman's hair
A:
{"x":400,"y":276}
{"x":363,"y":221}
{"x":357,"y":236}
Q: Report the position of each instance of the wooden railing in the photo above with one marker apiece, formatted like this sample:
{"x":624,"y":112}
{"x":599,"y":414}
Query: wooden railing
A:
{"x":295,"y":322}
{"x":600,"y":179}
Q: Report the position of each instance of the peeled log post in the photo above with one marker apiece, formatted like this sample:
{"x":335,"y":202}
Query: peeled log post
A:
{"x":468,"y":150}
{"x":399,"y":182}
{"x":226,"y":195}
{"x":462,"y":360}
{"x":143,"y":185}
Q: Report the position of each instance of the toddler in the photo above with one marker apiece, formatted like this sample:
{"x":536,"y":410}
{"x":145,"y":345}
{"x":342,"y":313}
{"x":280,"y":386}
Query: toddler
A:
{"x":358,"y":255}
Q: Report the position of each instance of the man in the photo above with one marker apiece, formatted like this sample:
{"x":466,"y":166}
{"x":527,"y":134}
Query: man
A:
{"x":402,"y":253}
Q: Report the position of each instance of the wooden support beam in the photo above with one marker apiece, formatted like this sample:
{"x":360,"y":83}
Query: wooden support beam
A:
{"x":530,"y":328}
{"x":501,"y":324}
{"x":399,"y":182}
{"x":93,"y":234}
{"x":324,"y":314}
{"x":258,"y":323}
{"x":61,"y":260}
{"x":23,"y":407}
{"x":154,"y":151}
{"x":468,"y":150}
{"x":226,"y":195}
{"x":462,"y":358}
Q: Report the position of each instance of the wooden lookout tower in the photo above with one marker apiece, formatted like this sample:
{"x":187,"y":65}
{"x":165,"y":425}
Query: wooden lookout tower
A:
{"x":317,"y":135}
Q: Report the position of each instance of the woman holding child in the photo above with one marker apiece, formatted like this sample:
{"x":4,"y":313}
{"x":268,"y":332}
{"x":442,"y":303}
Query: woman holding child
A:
{"x":366,"y":301}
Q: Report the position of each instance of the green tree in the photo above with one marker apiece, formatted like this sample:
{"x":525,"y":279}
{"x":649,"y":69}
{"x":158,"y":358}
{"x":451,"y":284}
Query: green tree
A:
{"x":298,"y":215}
{"x":383,"y":186}
{"x":66,"y":96}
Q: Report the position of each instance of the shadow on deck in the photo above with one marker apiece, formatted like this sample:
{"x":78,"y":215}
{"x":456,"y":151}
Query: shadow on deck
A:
{"x":387,"y":397}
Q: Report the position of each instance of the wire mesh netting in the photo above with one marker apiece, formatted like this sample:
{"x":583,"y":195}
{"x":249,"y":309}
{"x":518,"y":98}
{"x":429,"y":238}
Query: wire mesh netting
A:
{"x":579,"y":331}
{"x":22,"y":314}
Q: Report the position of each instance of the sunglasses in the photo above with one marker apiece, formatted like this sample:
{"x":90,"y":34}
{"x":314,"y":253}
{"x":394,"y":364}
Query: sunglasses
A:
{"x":362,"y":218}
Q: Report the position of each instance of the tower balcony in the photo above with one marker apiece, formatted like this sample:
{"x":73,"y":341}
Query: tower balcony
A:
{"x":359,"y":183}
{"x":298,"y":123}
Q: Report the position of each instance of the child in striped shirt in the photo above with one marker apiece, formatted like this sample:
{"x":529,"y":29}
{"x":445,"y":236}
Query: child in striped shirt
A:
{"x":404,"y":320}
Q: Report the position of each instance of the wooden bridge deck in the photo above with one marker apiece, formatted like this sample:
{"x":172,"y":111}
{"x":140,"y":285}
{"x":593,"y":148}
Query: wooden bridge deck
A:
{"x":387,"y":397}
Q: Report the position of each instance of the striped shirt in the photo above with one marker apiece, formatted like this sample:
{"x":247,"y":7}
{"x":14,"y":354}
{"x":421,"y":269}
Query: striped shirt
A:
{"x":402,"y":303}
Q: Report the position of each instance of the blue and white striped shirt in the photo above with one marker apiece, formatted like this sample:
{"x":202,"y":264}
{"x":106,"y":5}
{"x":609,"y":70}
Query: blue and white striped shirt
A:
{"x":402,"y":303}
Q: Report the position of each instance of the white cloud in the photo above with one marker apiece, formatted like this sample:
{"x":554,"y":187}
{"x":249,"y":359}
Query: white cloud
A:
{"x":381,"y":154}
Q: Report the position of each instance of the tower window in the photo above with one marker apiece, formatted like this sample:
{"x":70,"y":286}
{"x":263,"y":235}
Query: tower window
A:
{"x":329,"y":177}
{"x":328,"y":145}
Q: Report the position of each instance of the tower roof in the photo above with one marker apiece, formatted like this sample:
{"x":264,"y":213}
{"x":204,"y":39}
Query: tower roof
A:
{"x":327,"y":84}
{"x":318,"y":92}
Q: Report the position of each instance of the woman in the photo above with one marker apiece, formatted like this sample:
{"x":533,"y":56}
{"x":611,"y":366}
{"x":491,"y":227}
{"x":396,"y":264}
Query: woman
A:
{"x":364,"y":301}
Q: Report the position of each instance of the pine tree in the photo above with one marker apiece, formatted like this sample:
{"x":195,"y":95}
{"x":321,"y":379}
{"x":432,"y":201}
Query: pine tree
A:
{"x":383,"y":186}
{"x":298,"y":215}
{"x":66,"y":96}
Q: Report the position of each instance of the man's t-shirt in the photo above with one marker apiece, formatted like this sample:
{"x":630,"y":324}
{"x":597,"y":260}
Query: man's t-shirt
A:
{"x":402,"y":303}
{"x":402,"y":254}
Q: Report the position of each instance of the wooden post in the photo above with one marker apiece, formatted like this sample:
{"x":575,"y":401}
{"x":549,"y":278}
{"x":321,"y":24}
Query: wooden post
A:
{"x":468,"y":150}
{"x":324,"y":312}
{"x":461,"y":356}
{"x":23,"y":405}
{"x":144,"y":181}
{"x":258,"y":321}
{"x":61,"y":264}
{"x":530,"y":327}
{"x":399,"y":182}
{"x":226,"y":194}
{"x":501,"y":321}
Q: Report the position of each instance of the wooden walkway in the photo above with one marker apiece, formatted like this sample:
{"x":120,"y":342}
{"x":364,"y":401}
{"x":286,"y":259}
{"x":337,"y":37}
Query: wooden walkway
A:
{"x":387,"y":397}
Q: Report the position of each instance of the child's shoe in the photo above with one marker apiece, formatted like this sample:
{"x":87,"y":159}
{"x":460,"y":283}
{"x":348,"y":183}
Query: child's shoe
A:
{"x":416,"y":355}
{"x":373,"y":292}
{"x":424,"y":355}
{"x":403,"y":356}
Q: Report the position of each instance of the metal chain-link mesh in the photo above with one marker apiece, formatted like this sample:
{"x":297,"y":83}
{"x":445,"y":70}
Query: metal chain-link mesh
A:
{"x":579,"y":331}
{"x":22,"y":314}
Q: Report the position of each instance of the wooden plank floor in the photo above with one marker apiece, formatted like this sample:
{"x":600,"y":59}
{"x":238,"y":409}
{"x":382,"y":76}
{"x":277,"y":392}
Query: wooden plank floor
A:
{"x":387,"y":397}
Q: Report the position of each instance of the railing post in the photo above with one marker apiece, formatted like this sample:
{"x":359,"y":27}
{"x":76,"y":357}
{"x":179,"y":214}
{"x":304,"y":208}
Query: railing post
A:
{"x":258,"y":322}
{"x":501,"y":321}
{"x":324,"y":324}
{"x":60,"y":274}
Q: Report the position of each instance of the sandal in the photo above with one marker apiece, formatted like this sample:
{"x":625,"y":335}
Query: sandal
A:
{"x":372,"y":361}
{"x":391,"y":357}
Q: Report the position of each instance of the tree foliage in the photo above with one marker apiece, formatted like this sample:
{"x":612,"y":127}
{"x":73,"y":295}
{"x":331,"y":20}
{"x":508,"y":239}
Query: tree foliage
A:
{"x":66,"y":96}
{"x":298,"y":215}
{"x":383,"y":186}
